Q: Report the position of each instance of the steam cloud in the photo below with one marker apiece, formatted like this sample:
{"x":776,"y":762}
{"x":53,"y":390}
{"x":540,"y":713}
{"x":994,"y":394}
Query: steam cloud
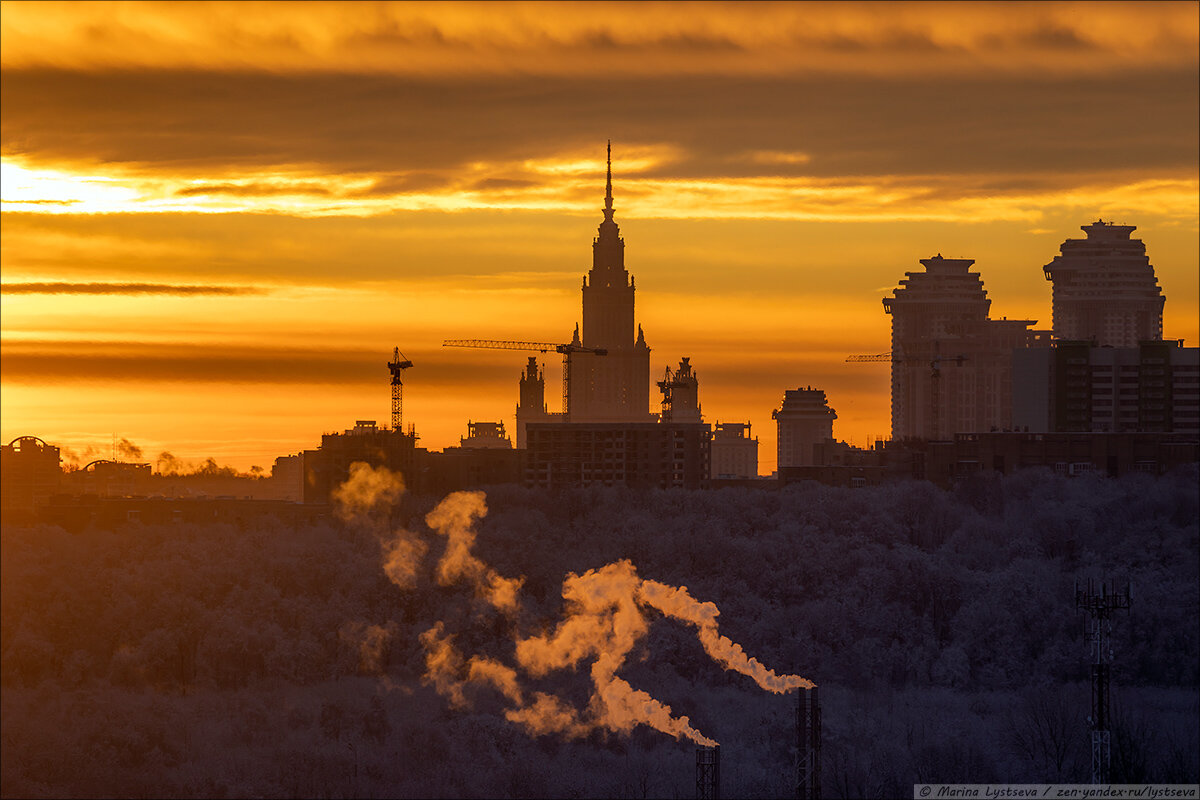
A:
{"x":370,"y":640}
{"x":454,"y":518}
{"x":605,"y":616}
{"x":366,"y":491}
{"x":366,"y":499}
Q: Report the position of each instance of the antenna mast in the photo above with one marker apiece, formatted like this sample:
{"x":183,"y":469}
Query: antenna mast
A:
{"x":1100,"y":606}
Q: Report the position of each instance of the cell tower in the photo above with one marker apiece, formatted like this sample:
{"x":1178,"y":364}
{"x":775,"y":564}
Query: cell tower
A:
{"x":1100,"y":606}
{"x":808,"y":745}
{"x":708,"y":773}
{"x":397,"y":365}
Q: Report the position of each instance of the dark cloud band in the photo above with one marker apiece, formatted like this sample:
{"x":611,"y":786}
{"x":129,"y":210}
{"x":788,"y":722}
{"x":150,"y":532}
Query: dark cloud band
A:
{"x":225,"y":123}
{"x":90,"y":362}
{"x":124,"y":288}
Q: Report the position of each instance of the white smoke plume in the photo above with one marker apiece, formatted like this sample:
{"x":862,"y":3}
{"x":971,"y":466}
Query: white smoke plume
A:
{"x":365,"y":500}
{"x":549,"y":715}
{"x":677,"y":603}
{"x":450,"y":675}
{"x":502,"y":677}
{"x":603,"y":621}
{"x":605,"y":616}
{"x":367,"y":490}
{"x":402,"y":554}
{"x":443,"y":665}
{"x":455,"y":518}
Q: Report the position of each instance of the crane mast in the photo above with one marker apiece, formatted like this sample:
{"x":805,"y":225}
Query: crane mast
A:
{"x":396,"y":366}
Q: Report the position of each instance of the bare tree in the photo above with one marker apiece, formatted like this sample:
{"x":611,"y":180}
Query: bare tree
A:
{"x":1046,"y":730}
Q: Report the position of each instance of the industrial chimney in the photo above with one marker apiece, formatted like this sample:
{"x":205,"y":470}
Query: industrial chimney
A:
{"x":808,"y":745}
{"x":708,"y":773}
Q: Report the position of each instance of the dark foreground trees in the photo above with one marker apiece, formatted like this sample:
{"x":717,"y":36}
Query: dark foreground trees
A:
{"x":224,"y":661}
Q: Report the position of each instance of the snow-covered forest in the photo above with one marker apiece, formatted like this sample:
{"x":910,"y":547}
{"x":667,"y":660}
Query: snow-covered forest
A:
{"x":220,"y":661}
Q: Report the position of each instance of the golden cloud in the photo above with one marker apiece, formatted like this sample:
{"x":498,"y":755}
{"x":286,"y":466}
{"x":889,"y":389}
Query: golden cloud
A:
{"x":579,"y":38}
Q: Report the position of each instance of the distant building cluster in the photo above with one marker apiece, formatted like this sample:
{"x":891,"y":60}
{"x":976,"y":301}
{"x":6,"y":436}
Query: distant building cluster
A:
{"x":1104,"y":367}
{"x":1101,"y":390}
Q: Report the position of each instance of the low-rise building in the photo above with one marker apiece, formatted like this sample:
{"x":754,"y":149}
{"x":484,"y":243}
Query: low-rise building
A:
{"x":734,"y":453}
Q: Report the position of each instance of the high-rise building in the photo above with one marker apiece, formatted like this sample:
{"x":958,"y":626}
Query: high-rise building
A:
{"x":1104,"y":288}
{"x":951,"y":364}
{"x":614,"y":387}
{"x":804,"y":421}
{"x":1079,"y":387}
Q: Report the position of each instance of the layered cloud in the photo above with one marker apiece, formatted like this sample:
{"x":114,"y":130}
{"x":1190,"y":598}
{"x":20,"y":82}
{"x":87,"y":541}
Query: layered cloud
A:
{"x":265,"y":135}
{"x":63,"y":287}
{"x":570,"y":38}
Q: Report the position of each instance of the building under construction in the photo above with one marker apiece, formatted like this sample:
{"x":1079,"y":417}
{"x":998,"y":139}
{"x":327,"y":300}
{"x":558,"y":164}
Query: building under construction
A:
{"x":951,"y":363}
{"x":328,"y":467}
{"x":646,"y":455}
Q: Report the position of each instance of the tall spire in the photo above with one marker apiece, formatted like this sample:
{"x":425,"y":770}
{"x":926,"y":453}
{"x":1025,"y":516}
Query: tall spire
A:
{"x":608,"y":205}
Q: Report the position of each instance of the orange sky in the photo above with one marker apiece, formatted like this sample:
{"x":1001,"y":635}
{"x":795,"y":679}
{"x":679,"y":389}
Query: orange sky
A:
{"x":218,"y":219}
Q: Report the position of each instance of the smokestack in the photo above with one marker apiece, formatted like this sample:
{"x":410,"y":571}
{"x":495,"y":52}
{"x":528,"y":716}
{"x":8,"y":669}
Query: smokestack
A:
{"x":808,"y":745}
{"x":708,"y":773}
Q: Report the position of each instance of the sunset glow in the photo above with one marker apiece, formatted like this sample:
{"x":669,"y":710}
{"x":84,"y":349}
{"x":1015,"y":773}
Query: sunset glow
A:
{"x":220,"y":218}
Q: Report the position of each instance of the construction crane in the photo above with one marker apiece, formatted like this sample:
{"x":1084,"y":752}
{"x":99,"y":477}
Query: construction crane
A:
{"x":567,"y":351}
{"x":935,"y":366}
{"x":397,"y":365}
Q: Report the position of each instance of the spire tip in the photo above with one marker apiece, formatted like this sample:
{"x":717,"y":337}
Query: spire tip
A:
{"x":608,"y":198}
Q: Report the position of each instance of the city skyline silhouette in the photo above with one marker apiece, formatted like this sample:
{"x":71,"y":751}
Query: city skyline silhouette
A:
{"x":223,"y":269}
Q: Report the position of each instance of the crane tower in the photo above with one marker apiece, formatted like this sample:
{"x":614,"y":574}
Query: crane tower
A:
{"x":396,"y":366}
